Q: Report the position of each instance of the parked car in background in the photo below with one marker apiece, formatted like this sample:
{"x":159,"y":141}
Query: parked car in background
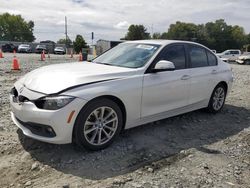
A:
{"x":244,"y":58}
{"x":229,"y":55}
{"x":59,"y":50}
{"x":9,"y":47}
{"x":134,"y":83}
{"x":40,"y":48}
{"x":24,"y":48}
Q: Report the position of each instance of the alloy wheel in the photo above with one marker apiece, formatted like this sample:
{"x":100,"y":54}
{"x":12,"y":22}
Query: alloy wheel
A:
{"x":218,"y":98}
{"x":100,"y":126}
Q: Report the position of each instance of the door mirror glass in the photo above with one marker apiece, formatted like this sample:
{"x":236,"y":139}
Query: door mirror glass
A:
{"x":164,"y":65}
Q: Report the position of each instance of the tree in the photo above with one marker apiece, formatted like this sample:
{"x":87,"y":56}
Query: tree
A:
{"x":182,"y":31}
{"x":221,"y":36}
{"x":15,"y":28}
{"x":156,"y":36}
{"x":63,"y":41}
{"x":216,"y":35}
{"x":79,"y":43}
{"x":137,"y":32}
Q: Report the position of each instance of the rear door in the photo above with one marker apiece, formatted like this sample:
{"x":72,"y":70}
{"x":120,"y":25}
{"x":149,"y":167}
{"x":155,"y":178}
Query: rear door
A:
{"x":202,"y":64}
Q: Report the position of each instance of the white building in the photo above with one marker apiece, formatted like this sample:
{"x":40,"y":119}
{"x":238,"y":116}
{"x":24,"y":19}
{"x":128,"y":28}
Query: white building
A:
{"x":104,"y":45}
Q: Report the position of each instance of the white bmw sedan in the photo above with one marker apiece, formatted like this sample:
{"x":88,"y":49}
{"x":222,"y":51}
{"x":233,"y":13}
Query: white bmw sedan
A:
{"x":132,"y":84}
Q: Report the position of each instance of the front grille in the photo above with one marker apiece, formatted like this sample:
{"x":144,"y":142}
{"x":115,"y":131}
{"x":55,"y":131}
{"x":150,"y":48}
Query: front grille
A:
{"x":38,"y":129}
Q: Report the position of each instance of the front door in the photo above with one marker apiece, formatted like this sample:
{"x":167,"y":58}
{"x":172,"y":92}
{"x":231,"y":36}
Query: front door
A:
{"x":164,"y":91}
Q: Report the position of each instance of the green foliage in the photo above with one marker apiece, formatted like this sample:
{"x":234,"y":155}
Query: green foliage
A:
{"x":137,"y":32}
{"x":15,"y":28}
{"x":156,"y":36}
{"x":182,"y":31}
{"x":63,"y":41}
{"x":216,"y":35}
{"x":79,"y":43}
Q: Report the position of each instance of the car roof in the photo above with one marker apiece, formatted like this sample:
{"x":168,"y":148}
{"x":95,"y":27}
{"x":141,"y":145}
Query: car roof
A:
{"x":161,"y":42}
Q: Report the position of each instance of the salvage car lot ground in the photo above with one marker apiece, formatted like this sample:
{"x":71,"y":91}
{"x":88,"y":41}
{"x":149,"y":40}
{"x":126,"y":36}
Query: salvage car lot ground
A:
{"x":191,"y":150}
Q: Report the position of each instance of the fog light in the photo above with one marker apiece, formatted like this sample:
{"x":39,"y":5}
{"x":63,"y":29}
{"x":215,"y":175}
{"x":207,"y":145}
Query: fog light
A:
{"x":49,"y":129}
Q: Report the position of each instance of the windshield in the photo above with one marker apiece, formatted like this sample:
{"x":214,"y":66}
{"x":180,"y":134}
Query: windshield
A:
{"x":131,"y":55}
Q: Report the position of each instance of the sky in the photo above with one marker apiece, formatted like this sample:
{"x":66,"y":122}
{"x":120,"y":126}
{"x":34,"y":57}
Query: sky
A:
{"x":110,"y":19}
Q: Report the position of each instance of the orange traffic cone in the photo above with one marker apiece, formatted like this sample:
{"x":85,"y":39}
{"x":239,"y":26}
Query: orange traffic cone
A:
{"x":80,"y":56}
{"x":43,"y":56}
{"x":15,"y":64}
{"x":1,"y":53}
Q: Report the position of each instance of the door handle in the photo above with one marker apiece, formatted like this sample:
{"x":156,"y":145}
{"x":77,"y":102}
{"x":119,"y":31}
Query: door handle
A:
{"x":185,"y":77}
{"x":214,"y":71}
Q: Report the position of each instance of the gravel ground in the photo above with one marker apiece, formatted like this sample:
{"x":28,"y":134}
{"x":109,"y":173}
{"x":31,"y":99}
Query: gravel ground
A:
{"x":191,"y":150}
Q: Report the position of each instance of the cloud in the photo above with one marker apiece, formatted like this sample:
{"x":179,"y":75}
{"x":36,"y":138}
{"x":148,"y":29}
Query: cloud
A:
{"x":110,"y":19}
{"x":122,"y":25}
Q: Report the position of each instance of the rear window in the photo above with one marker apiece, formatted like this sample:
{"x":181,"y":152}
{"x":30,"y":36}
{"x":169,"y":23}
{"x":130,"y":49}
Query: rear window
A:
{"x":212,"y":60}
{"x":235,"y":52}
{"x":198,"y":56}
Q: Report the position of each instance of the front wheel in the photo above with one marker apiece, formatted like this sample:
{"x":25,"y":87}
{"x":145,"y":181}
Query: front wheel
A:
{"x":217,"y":99}
{"x":98,"y":124}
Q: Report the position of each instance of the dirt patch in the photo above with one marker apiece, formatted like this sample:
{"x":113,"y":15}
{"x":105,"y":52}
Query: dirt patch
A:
{"x":191,"y":150}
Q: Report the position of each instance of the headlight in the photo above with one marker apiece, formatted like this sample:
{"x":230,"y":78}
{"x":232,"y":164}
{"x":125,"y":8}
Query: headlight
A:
{"x":53,"y":102}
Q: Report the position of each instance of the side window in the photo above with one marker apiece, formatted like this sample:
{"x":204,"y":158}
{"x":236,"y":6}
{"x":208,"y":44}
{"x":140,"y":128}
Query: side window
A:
{"x":212,"y":60}
{"x":198,"y":56}
{"x":175,"y":54}
{"x":235,"y":52}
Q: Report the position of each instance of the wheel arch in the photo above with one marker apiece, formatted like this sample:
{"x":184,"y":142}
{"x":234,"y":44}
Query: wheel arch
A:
{"x":223,"y":83}
{"x":119,"y":102}
{"x":113,"y":98}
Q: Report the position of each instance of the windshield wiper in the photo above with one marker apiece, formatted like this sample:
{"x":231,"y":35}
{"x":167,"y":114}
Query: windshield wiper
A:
{"x":105,"y":63}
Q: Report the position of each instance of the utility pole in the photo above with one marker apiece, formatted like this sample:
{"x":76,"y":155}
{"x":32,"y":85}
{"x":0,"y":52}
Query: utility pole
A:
{"x":66,"y":33}
{"x":152,"y":30}
{"x":92,"y":37}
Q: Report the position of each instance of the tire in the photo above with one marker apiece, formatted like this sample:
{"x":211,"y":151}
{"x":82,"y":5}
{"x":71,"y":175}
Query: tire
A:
{"x":217,"y":99}
{"x":244,"y":62}
{"x":100,"y":131}
{"x":247,"y":62}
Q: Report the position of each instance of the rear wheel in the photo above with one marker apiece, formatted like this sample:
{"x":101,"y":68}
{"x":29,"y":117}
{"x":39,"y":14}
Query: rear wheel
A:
{"x":241,"y":63}
{"x":217,"y":99}
{"x":98,"y":124}
{"x":247,"y":62}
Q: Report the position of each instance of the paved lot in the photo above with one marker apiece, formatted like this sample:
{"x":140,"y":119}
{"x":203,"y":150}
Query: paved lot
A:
{"x":192,"y":150}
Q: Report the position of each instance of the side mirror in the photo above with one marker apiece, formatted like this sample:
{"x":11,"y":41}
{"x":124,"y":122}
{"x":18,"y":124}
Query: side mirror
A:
{"x":163,"y":65}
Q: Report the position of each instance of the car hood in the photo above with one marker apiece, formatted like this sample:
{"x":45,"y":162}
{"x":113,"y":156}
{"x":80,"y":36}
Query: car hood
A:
{"x":56,"y":78}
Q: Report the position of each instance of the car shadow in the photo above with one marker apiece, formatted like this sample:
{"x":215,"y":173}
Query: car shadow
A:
{"x":142,"y":145}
